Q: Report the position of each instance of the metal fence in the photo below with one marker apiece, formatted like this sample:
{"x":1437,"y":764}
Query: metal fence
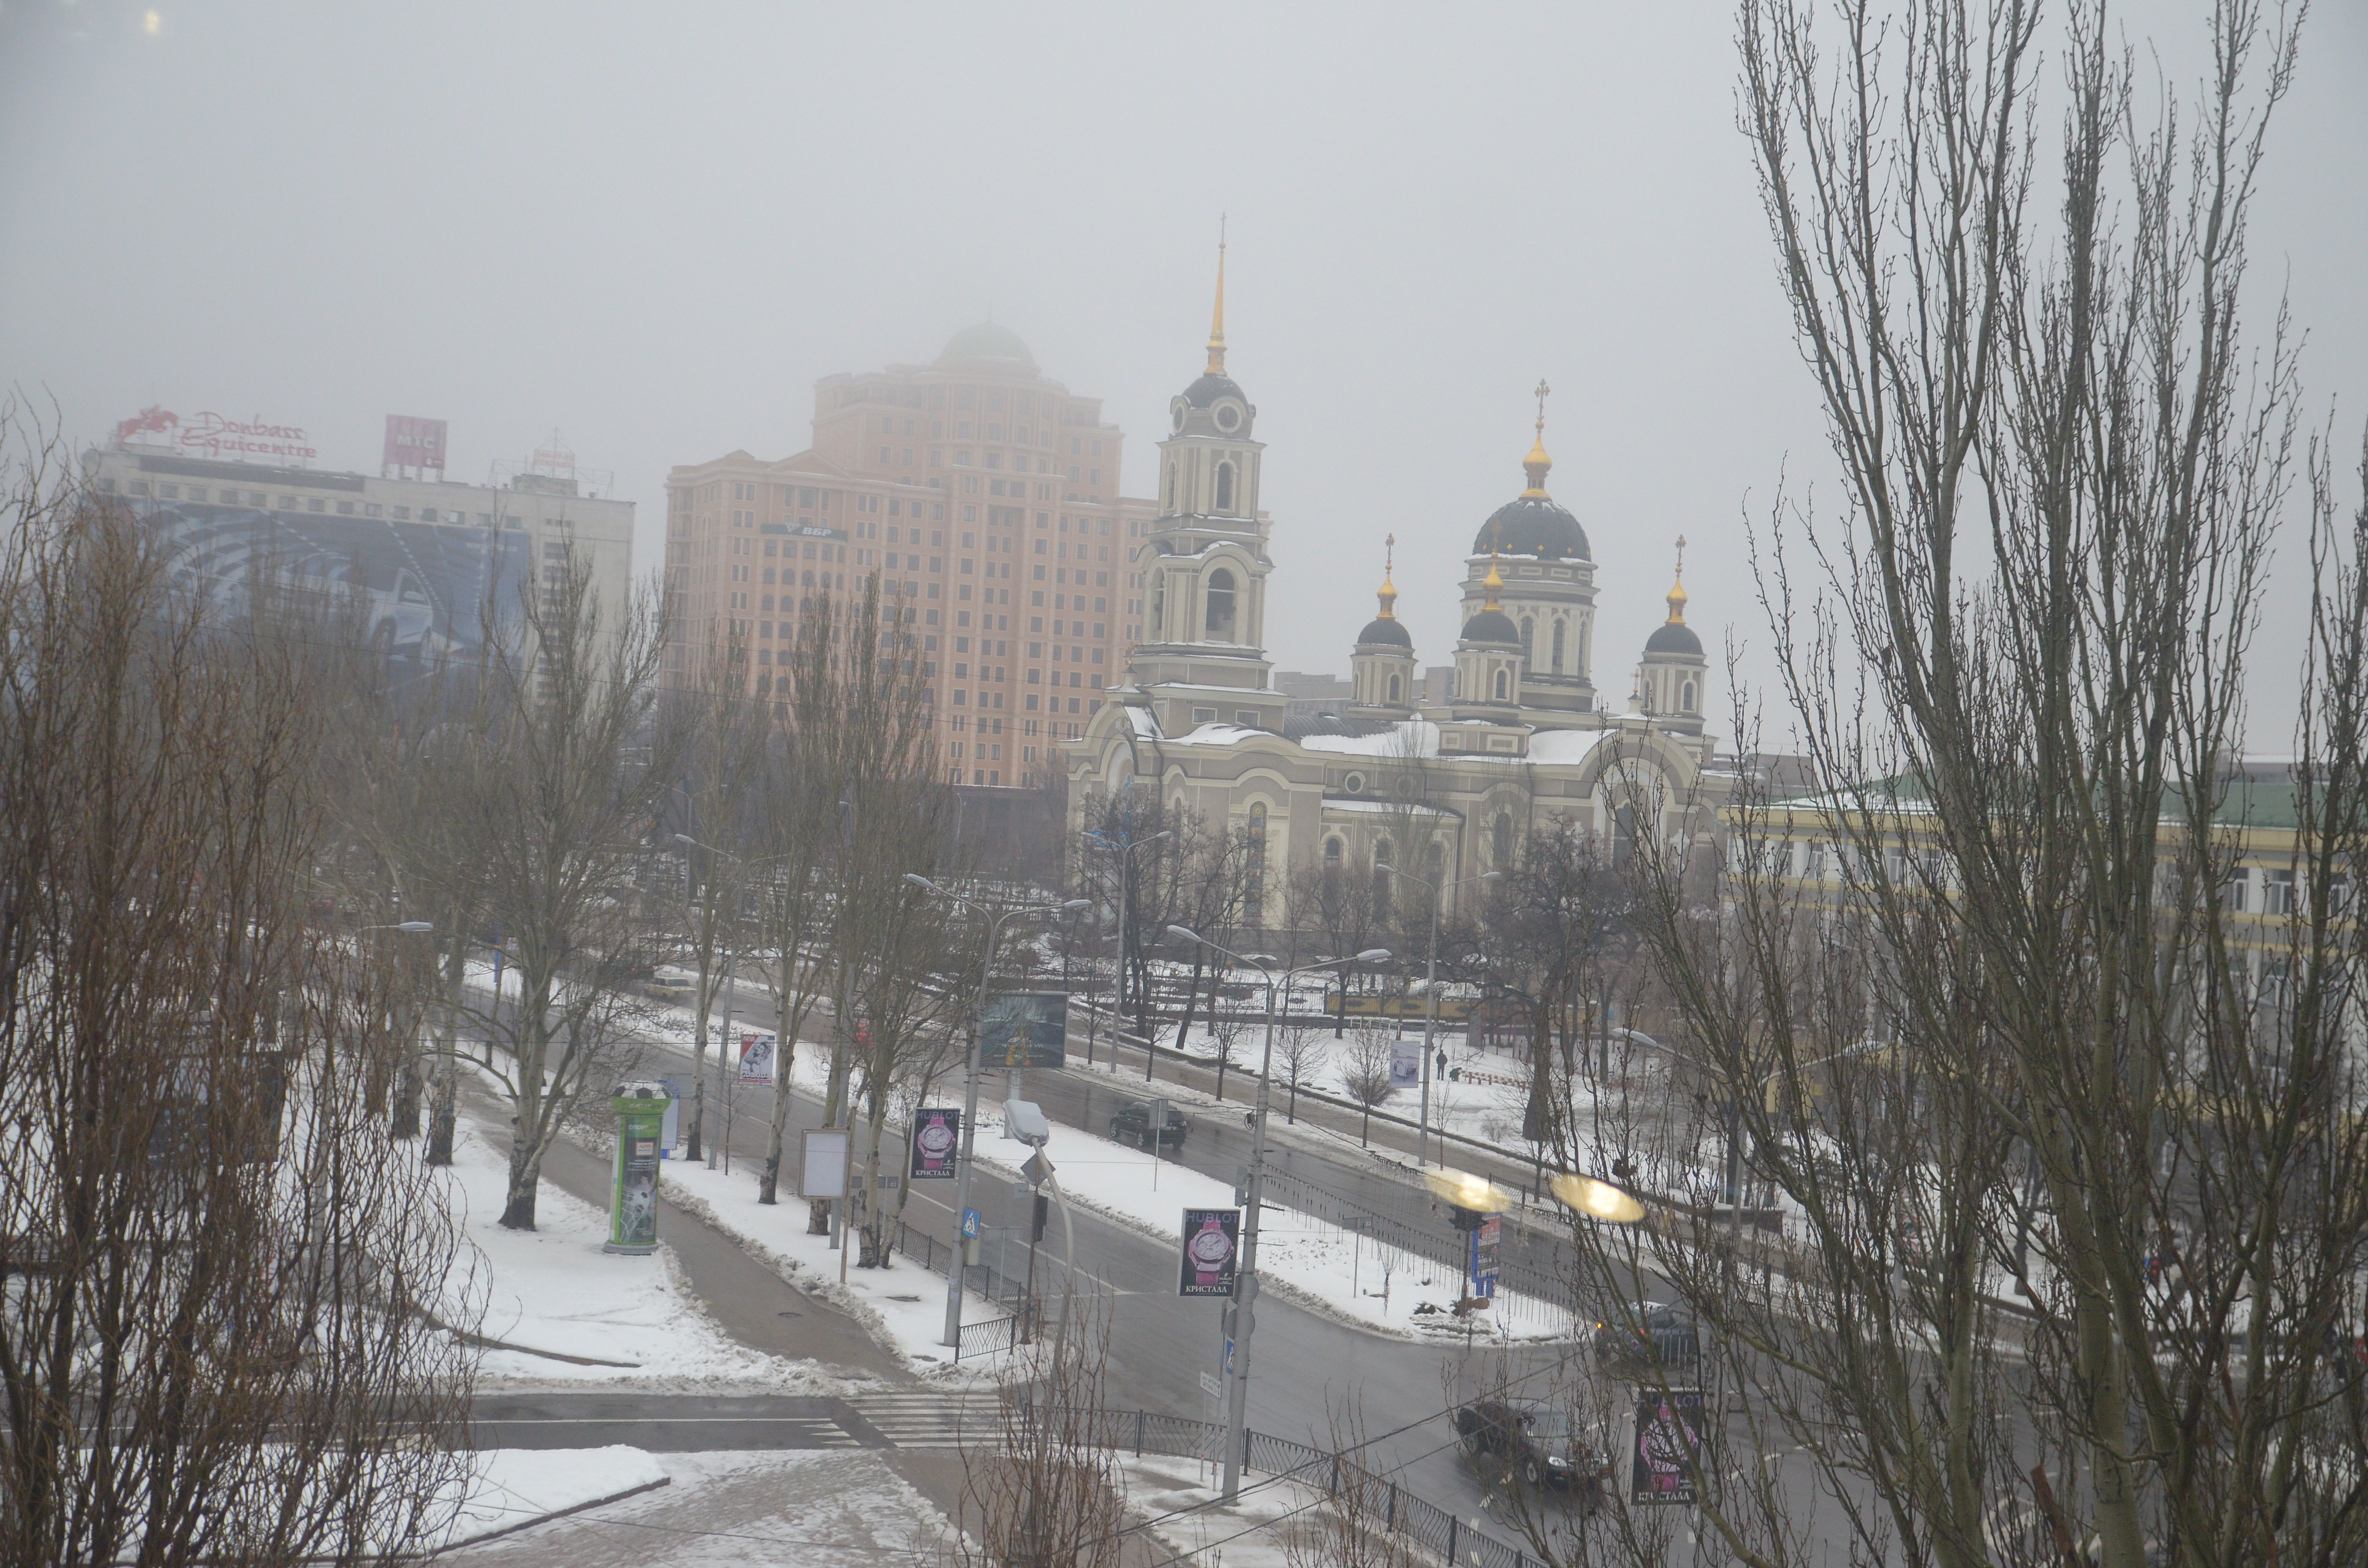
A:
{"x":988,"y":1337}
{"x":1390,"y":1506}
{"x":995,"y":1280}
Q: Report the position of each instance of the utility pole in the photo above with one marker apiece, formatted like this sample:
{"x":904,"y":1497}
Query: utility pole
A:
{"x":1245,"y":1280}
{"x":994,"y":921}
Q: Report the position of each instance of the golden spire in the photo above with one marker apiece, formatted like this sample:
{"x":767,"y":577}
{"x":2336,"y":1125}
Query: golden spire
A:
{"x":1217,"y":322}
{"x":1494,"y":584}
{"x":1678,"y":588}
{"x":1537,"y":463}
{"x":1389,"y":594}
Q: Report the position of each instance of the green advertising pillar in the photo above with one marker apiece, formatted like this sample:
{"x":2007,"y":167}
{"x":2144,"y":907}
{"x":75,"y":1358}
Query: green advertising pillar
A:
{"x":633,"y":1184}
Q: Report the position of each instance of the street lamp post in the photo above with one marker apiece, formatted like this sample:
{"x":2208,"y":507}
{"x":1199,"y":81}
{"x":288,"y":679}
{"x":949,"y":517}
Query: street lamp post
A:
{"x":995,"y":922}
{"x":1245,"y":1278}
{"x":1431,"y":994}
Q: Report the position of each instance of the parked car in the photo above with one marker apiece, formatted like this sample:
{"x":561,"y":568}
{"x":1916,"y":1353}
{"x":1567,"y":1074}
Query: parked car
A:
{"x":1132,"y":1125}
{"x":1536,"y":1444}
{"x":1669,"y":1341}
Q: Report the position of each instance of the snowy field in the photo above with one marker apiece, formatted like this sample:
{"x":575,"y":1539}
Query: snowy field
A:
{"x":817,"y":1509}
{"x":511,"y":1488}
{"x":553,"y":1290}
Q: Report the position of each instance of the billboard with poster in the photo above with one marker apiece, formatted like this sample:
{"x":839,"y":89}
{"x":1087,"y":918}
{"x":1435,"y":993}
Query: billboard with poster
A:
{"x":937,"y":1140}
{"x":1669,"y":1447}
{"x":1025,"y":1029}
{"x":1405,"y":1063}
{"x":422,"y":591}
{"x":412,"y":442}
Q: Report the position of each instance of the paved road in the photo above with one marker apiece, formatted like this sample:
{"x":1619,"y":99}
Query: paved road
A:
{"x":700,"y":1422}
{"x":1306,"y":1365}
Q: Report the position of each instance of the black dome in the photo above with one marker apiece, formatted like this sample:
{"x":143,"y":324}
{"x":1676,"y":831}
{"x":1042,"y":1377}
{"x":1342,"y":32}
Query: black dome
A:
{"x":1386,"y":629}
{"x":1492,"y":626}
{"x":1674,"y":637}
{"x":1205,"y":392}
{"x":1533,"y":525}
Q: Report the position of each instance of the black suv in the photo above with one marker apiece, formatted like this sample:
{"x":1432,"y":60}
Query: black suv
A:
{"x":1132,"y":1125}
{"x":1670,"y":1341}
{"x":1534,"y":1443}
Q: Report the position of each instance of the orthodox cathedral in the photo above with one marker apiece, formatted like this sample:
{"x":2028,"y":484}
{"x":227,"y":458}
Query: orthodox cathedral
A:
{"x":1524,"y":736}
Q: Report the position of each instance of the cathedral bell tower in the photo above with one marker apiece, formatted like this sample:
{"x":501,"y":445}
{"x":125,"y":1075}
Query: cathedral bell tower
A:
{"x":1381,"y":669}
{"x":1205,"y":565}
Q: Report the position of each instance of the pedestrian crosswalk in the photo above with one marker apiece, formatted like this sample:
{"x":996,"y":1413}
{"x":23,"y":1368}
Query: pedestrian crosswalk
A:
{"x":930,"y":1419}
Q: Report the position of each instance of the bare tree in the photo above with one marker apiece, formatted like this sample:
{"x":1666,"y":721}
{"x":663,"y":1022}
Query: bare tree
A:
{"x":2074,"y":1150}
{"x":723,"y":731}
{"x":1366,"y":1078}
{"x":215,"y":1340}
{"x":563,"y":768}
{"x":1049,"y":1494}
{"x":1304,"y":1054}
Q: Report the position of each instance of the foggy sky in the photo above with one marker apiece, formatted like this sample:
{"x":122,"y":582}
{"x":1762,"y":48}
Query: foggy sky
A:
{"x":652,"y":228}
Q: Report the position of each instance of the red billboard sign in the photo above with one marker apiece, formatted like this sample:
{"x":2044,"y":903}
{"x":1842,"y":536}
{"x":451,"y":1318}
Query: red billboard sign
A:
{"x":413,"y":443}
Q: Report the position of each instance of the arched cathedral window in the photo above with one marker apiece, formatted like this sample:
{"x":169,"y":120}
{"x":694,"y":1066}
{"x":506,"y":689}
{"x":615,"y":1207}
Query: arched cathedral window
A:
{"x":1224,"y":487}
{"x":1557,"y":646}
{"x":1220,"y":618}
{"x":1686,"y":702}
{"x":1394,"y":689}
{"x":1503,"y":686}
{"x":1500,"y":840}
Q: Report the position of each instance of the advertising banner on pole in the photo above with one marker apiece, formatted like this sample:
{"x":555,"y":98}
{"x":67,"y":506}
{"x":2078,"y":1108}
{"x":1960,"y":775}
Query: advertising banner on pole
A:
{"x":936,"y":1139}
{"x":1210,"y":1252}
{"x":1670,"y":1446}
{"x":756,"y":1058}
{"x":1486,"y":1243}
{"x":1405,"y":1063}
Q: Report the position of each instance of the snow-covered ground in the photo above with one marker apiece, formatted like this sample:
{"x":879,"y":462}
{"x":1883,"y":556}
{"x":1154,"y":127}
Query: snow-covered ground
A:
{"x":553,"y":1288}
{"x":510,"y":1488}
{"x":816,"y":1508}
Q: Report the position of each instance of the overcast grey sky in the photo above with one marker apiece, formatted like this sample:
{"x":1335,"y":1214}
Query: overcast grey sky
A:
{"x":652,"y":227}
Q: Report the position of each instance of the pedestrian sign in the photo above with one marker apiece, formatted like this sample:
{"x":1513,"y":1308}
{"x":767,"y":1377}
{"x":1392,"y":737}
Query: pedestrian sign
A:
{"x":970,"y":1224}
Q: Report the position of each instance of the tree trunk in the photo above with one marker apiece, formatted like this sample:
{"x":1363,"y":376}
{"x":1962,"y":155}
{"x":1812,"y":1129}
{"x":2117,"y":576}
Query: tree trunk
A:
{"x":405,"y":1123}
{"x":525,"y":1172}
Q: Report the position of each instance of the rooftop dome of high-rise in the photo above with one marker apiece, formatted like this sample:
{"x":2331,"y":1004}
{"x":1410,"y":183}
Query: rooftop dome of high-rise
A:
{"x":986,"y":341}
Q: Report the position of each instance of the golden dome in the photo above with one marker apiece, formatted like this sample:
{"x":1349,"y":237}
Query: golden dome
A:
{"x":1537,"y":464}
{"x":1494,"y":584}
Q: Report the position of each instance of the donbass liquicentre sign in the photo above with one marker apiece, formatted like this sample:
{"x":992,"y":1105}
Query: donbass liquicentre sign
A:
{"x":211,"y":435}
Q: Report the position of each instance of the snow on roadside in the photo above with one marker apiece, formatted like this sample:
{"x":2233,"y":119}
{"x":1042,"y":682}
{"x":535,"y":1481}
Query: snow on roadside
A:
{"x":553,"y":1288}
{"x":508,"y":1489}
